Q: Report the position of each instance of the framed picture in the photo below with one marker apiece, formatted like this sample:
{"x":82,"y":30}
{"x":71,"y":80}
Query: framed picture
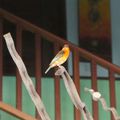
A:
{"x":95,"y":27}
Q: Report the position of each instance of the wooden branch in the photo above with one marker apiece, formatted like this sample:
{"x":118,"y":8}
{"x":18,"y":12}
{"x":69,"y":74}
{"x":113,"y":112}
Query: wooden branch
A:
{"x":26,"y":78}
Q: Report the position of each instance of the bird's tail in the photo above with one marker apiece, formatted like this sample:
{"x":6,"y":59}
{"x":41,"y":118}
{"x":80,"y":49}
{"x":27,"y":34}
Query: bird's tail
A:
{"x":48,"y":69}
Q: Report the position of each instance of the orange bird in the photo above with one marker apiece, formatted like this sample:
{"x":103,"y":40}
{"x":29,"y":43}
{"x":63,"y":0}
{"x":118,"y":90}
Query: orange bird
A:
{"x":60,"y":58}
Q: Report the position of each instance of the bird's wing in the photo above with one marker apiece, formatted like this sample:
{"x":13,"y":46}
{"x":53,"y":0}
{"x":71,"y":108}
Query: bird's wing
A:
{"x":59,"y":55}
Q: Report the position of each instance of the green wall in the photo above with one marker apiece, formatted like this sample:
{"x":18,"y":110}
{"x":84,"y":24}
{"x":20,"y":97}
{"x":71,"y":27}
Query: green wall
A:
{"x":47,"y":95}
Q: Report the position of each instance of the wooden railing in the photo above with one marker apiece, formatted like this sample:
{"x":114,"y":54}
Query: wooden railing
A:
{"x":58,"y":42}
{"x":17,"y":113}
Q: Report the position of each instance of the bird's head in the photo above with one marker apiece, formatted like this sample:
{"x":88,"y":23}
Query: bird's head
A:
{"x":66,"y":47}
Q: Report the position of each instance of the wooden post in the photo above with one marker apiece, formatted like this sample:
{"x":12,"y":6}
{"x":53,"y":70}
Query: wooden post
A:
{"x":112,"y":90}
{"x":1,"y":56}
{"x":38,"y":69}
{"x":76,"y":78}
{"x":94,"y":86}
{"x":57,"y":89}
{"x":18,"y":78}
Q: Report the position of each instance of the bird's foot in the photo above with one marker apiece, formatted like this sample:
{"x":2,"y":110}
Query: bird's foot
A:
{"x":60,"y":70}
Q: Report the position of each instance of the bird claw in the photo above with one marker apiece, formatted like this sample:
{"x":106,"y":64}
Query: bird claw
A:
{"x":60,"y":71}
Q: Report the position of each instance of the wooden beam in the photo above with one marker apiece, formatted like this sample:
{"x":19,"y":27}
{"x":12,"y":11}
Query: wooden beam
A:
{"x":51,"y":37}
{"x":17,"y":113}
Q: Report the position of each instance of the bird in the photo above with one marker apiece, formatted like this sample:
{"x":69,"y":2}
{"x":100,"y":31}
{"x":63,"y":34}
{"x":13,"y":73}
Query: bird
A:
{"x":60,"y":57}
